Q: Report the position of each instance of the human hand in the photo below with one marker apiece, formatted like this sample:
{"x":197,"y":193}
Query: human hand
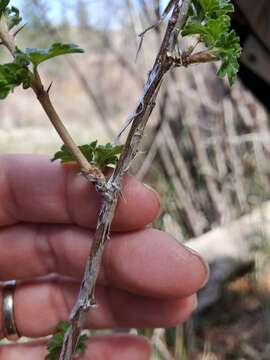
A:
{"x":47,"y":219}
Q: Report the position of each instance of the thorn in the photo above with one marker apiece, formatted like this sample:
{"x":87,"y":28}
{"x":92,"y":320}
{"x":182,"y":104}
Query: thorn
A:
{"x":49,"y":87}
{"x":17,"y":31}
{"x":154,"y":26}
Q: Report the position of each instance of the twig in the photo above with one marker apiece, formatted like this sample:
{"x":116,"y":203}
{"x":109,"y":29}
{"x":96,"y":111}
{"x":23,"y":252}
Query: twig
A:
{"x":93,"y":173}
{"x":110,"y":196}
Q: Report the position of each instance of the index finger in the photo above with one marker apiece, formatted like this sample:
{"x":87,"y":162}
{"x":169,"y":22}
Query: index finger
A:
{"x":33,"y":189}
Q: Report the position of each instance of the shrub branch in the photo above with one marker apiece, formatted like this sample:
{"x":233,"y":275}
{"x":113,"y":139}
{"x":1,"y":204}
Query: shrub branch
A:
{"x":163,"y":63}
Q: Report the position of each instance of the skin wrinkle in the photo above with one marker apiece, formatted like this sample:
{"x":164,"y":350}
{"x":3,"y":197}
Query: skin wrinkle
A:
{"x":44,"y":250}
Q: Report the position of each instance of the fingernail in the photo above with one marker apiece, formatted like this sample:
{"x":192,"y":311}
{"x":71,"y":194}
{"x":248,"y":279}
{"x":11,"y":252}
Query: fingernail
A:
{"x":204,"y":263}
{"x":157,"y":195}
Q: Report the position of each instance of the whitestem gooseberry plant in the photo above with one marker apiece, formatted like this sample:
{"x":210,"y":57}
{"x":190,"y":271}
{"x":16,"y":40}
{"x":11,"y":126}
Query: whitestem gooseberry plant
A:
{"x":208,"y":22}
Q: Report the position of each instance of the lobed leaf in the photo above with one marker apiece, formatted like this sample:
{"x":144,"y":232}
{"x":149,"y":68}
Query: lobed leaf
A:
{"x":229,"y":52}
{"x":98,"y":155}
{"x":211,"y":22}
{"x":106,"y":155}
{"x":214,"y":8}
{"x":65,"y":155}
{"x":37,"y":56}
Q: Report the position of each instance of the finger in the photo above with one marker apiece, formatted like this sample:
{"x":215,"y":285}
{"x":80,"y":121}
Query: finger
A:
{"x":147,"y":262}
{"x":32,"y":189}
{"x":38,"y":307}
{"x":113,"y":347}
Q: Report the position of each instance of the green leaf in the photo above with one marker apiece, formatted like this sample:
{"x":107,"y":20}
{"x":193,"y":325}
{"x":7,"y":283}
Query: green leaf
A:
{"x":37,"y":56}
{"x":195,"y":28}
{"x":55,"y":344}
{"x":65,"y":155}
{"x":210,"y":30}
{"x":230,"y":68}
{"x":63,"y":326}
{"x":3,"y":5}
{"x":81,"y":347}
{"x":216,"y":8}
{"x":11,"y":76}
{"x":98,"y":155}
{"x":211,"y":22}
{"x":21,"y":58}
{"x":106,"y":155}
{"x":229,"y":52}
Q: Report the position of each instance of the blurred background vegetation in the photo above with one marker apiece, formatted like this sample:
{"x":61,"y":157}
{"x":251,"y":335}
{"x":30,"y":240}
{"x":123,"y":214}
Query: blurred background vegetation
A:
{"x":206,"y":151}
